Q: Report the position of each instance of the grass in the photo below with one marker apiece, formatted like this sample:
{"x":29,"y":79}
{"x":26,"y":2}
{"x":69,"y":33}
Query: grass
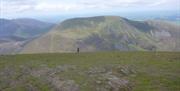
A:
{"x":155,"y":71}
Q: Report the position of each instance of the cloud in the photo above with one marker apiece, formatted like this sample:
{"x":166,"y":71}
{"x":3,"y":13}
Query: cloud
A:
{"x":15,"y":6}
{"x":51,"y":6}
{"x":57,"y":7}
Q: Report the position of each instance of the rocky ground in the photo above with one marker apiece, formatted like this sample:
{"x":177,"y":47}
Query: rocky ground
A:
{"x":90,"y":72}
{"x":105,"y":78}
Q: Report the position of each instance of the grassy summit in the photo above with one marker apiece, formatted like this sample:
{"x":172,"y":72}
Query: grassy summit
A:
{"x":103,"y":71}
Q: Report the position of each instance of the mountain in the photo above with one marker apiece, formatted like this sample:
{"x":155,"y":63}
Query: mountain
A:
{"x":107,"y":33}
{"x":173,"y":18}
{"x":15,"y":33}
{"x":23,"y":27}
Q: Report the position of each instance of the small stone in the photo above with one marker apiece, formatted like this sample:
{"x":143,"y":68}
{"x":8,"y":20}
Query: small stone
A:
{"x":98,"y":82}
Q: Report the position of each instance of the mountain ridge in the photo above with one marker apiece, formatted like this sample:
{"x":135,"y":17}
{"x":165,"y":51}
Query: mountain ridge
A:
{"x":107,"y":33}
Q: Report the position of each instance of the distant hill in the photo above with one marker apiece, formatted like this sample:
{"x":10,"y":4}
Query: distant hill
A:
{"x":23,"y":27}
{"x":16,"y":32}
{"x":108,"y":33}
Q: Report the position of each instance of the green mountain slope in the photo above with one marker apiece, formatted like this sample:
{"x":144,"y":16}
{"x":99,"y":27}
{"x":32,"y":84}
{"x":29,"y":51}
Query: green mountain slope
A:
{"x":107,"y":33}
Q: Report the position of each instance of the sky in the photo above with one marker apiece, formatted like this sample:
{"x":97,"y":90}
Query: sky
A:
{"x":28,"y":8}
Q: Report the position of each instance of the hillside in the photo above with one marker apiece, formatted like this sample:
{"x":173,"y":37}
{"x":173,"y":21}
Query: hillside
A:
{"x":107,"y":33}
{"x":23,"y":27}
{"x":15,"y":33}
{"x":104,"y":71}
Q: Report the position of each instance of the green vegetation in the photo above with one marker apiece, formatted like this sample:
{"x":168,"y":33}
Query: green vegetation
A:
{"x":107,"y":33}
{"x":144,"y":71}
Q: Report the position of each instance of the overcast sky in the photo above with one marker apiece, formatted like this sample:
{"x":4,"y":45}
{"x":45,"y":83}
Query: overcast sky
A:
{"x":15,"y":8}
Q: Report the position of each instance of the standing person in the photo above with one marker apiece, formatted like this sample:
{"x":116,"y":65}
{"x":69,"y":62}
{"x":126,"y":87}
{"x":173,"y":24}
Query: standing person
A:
{"x":78,"y":50}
